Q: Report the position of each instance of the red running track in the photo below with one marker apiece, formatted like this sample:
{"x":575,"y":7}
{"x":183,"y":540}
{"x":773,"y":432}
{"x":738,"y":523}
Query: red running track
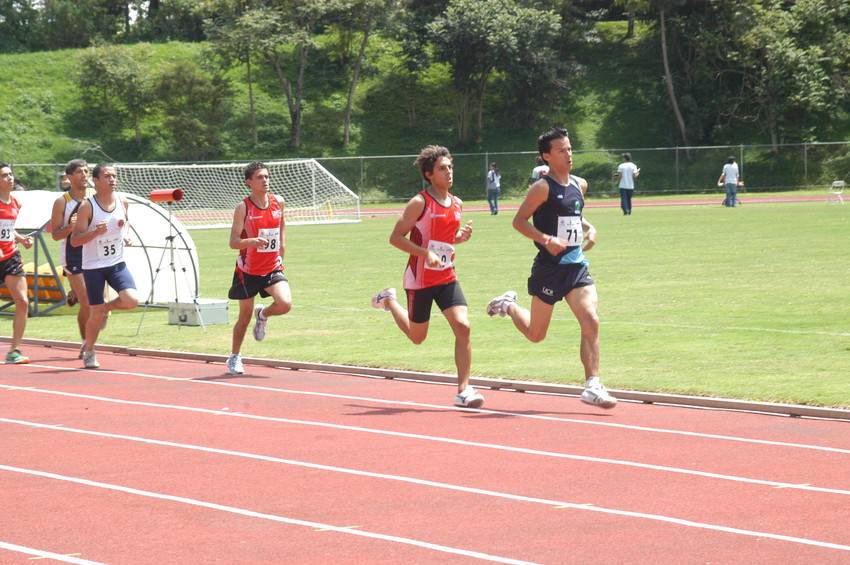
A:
{"x":162,"y":461}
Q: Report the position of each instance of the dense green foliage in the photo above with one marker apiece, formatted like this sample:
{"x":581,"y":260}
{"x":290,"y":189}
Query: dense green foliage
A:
{"x":283,"y":78}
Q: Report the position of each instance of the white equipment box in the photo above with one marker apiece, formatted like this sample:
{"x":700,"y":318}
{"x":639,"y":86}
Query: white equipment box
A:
{"x":208,"y":310}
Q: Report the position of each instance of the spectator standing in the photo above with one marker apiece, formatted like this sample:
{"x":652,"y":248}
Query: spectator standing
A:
{"x":730,"y":179}
{"x":494,"y":185}
{"x":627,"y":172}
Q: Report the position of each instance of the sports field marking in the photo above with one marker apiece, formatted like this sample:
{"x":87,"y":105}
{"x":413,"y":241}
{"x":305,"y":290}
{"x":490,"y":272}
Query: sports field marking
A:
{"x":41,"y":554}
{"x":732,"y":328}
{"x":554,"y":503}
{"x":449,"y":408}
{"x":272,"y":517}
{"x":474,"y":314}
{"x":466,"y":443}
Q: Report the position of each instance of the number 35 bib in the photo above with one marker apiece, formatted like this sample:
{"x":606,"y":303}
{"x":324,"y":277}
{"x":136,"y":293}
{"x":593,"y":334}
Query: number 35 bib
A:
{"x":110,"y":245}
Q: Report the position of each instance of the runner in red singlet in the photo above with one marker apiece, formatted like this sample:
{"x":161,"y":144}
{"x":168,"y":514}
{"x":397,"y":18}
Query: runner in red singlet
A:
{"x":432,"y":220}
{"x":11,"y":265}
{"x":259,"y":233}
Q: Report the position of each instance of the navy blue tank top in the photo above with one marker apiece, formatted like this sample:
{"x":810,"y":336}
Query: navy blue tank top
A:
{"x":563,"y":202}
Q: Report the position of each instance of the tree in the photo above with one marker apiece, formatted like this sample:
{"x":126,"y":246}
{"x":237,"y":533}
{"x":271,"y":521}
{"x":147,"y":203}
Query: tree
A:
{"x":477,"y":38}
{"x":195,"y":108}
{"x":290,"y":25}
{"x":18,"y":23}
{"x":116,"y":84}
{"x":364,"y":15}
{"x":793,"y":60}
{"x":233,"y":43}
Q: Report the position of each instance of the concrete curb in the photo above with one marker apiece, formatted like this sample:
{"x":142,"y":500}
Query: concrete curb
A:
{"x":793,"y":410}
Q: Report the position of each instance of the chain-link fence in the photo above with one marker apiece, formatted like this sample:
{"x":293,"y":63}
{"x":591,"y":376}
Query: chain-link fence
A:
{"x":664,"y":170}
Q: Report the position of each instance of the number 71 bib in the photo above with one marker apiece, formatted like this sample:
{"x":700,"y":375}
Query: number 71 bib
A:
{"x":570,"y":230}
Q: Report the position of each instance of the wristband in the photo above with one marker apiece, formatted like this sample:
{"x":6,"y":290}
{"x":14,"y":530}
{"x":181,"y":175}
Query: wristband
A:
{"x":548,"y":239}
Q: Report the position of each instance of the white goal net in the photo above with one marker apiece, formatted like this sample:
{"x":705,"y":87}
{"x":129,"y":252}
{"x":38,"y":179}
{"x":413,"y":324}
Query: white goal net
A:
{"x":211,"y":191}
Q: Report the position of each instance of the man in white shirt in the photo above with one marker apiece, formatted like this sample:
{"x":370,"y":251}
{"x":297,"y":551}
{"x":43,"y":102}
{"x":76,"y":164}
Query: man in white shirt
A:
{"x":730,"y":178}
{"x":627,"y":172}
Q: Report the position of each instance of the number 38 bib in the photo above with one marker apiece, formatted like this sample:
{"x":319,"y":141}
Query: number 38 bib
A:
{"x":272,"y":235}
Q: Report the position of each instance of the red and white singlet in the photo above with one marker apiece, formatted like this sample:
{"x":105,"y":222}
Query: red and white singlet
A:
{"x":8,"y":215}
{"x":265,"y":223}
{"x":435,"y":230}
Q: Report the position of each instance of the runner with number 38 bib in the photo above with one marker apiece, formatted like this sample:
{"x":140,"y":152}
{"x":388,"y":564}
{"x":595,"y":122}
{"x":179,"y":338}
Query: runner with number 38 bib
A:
{"x":259,"y":233}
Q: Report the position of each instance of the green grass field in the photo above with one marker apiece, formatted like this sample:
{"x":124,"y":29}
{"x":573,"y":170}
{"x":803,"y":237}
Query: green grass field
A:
{"x":748,"y":303}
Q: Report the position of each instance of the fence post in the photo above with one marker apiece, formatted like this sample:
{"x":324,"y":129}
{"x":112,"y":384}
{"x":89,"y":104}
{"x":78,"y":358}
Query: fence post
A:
{"x":806,"y":165}
{"x":677,"y":168}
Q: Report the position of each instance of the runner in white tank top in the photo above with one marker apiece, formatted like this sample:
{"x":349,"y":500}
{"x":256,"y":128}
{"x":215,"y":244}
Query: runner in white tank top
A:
{"x":101,"y":229}
{"x":107,"y":248}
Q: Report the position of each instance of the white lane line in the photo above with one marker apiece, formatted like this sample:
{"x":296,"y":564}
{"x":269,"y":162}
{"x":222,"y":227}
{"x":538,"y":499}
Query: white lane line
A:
{"x":40,"y":553}
{"x":453,"y":441}
{"x":272,"y":517}
{"x":443,"y":407}
{"x":343,"y":529}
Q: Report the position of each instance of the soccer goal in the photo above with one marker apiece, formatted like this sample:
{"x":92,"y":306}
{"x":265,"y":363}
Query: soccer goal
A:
{"x":211,"y":191}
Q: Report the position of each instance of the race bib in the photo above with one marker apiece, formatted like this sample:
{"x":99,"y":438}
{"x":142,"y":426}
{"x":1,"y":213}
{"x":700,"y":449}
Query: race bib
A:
{"x":272,"y":235}
{"x":110,"y":245}
{"x":7,"y":230}
{"x":445,"y":251}
{"x":569,"y":230}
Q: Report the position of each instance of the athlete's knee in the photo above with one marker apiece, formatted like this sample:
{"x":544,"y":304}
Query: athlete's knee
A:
{"x":461,"y":329}
{"x":536,"y":335}
{"x":284,"y":306}
{"x":589,"y":322}
{"x":416,"y":337}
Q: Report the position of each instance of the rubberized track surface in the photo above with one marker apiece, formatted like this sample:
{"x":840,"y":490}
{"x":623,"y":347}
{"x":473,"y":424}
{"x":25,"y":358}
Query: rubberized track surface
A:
{"x":153,"y":460}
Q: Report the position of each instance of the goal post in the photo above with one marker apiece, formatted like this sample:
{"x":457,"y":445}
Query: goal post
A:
{"x":211,"y":191}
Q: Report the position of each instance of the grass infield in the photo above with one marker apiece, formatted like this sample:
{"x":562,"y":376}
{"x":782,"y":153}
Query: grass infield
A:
{"x":749,"y":303}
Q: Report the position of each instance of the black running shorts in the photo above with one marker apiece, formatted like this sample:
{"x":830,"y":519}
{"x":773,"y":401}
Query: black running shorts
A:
{"x":551,"y":283}
{"x":444,"y":295}
{"x":248,"y":286}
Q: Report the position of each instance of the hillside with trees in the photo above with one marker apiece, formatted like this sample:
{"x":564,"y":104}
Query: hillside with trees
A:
{"x":196,"y":80}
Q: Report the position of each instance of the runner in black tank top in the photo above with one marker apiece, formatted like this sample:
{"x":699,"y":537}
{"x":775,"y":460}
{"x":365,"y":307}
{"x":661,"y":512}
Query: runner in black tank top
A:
{"x":561,"y":234}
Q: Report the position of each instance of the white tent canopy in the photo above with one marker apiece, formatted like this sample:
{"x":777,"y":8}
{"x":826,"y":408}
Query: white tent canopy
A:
{"x":163,"y":272}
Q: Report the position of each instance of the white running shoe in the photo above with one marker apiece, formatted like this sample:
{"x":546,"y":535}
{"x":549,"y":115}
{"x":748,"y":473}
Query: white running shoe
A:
{"x":469,"y":398}
{"x":260,"y":324}
{"x":500,"y":304}
{"x":234,"y":364}
{"x":90,"y":360}
{"x":598,"y":395}
{"x":82,"y":348}
{"x":380,"y":299}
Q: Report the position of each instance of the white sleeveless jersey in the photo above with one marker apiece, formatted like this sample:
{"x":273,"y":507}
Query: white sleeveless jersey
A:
{"x":106,"y":249}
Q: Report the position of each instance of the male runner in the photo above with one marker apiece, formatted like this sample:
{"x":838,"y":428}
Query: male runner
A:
{"x":432,"y":219}
{"x":555,"y":203}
